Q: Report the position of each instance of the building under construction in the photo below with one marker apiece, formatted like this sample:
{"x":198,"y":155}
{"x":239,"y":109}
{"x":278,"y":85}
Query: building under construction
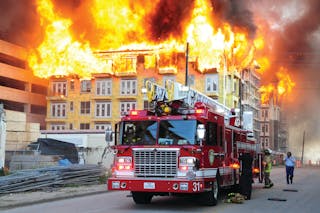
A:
{"x":20,"y":90}
{"x":22,"y":102}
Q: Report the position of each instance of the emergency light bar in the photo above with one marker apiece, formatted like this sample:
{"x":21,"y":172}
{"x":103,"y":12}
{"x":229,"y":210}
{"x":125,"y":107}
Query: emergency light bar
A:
{"x":138,"y":113}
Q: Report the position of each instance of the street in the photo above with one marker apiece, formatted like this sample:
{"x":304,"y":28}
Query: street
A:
{"x":305,"y":199}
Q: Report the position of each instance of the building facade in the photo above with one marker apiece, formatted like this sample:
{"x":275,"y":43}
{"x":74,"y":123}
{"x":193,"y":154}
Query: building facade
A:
{"x":98,"y":103}
{"x":270,"y":126}
{"x":20,"y":90}
{"x":250,"y":99}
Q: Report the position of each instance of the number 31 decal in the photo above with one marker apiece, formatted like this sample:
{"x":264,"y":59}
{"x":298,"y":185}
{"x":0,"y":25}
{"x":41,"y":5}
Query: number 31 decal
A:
{"x":196,"y":186}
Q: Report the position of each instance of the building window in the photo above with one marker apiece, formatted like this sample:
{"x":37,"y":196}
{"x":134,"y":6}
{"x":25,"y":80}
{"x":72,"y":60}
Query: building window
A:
{"x":70,"y":126}
{"x":85,"y":86}
{"x":58,"y":127}
{"x":212,"y":83}
{"x":71,"y":106}
{"x":267,"y":142}
{"x":58,"y":110}
{"x":84,"y":126}
{"x":72,"y":84}
{"x":128,"y":87}
{"x":235,"y":87}
{"x":265,"y":128}
{"x":85,"y":107}
{"x":168,"y":77}
{"x":102,"y":126}
{"x":103,"y":109}
{"x":128,"y":64}
{"x":264,"y":113}
{"x":104,"y":87}
{"x":126,"y":106}
{"x":59,"y":88}
{"x":191,"y":79}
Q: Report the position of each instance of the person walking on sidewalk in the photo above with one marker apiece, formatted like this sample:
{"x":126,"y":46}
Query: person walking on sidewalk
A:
{"x":290,"y":163}
{"x":267,"y":162}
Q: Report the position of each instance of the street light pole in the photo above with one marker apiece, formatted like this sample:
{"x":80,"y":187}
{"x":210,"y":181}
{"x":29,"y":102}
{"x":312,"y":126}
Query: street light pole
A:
{"x":304,"y":133}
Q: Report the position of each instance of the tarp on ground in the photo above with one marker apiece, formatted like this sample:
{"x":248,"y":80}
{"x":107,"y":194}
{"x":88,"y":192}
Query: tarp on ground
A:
{"x":49,"y":146}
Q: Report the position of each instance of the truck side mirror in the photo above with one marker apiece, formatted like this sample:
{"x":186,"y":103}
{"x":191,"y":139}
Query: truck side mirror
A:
{"x":201,"y":131}
{"x":108,"y":136}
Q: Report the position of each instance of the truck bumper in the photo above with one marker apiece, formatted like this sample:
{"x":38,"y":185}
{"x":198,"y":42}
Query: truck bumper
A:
{"x":156,"y":185}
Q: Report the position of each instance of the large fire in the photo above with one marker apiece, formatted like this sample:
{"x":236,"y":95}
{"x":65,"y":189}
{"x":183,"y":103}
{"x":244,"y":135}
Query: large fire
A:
{"x":59,"y":54}
{"x":274,"y":91}
{"x":124,"y":25}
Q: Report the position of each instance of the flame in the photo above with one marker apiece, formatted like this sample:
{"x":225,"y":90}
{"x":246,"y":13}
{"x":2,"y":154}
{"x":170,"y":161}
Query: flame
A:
{"x":121,"y":26}
{"x":119,"y":22}
{"x":285,"y":84}
{"x":59,"y":54}
{"x":266,"y":92}
{"x":207,"y":43}
{"x":275,"y":91}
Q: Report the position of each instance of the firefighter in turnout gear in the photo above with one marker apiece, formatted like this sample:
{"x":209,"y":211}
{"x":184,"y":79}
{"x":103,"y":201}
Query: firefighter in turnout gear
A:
{"x":267,"y":162}
{"x":235,"y":198}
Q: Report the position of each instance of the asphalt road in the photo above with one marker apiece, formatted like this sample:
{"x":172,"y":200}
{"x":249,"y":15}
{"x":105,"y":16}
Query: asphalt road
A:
{"x":305,"y":199}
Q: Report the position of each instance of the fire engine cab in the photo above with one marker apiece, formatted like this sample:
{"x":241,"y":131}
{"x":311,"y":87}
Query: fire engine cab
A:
{"x":177,"y":149}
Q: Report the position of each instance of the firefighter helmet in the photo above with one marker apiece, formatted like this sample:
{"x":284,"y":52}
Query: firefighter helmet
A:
{"x":267,"y":151}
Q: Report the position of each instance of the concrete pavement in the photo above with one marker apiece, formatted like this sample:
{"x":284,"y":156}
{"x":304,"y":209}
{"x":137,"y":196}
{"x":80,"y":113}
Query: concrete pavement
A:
{"x":50,"y":194}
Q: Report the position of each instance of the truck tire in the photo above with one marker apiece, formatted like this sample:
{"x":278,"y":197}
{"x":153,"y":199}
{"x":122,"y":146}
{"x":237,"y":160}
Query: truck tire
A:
{"x":141,"y":197}
{"x":210,"y":198}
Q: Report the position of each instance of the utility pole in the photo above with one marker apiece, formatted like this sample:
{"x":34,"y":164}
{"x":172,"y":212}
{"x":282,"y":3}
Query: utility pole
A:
{"x":304,"y":133}
{"x":187,"y":61}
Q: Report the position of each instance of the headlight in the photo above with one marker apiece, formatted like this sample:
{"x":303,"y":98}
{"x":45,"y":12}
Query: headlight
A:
{"x":187,"y":163}
{"x":124,"y":163}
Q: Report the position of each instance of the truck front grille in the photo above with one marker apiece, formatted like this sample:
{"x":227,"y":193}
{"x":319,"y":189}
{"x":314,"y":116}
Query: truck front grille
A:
{"x":155,"y":162}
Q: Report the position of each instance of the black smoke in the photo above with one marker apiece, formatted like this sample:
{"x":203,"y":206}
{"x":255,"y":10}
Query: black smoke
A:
{"x":19,"y":22}
{"x":236,"y":13}
{"x":168,"y":18}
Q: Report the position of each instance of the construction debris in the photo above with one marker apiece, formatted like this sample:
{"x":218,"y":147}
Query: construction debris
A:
{"x":57,"y":176}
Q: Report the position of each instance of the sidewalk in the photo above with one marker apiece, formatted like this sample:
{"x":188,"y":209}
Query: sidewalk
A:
{"x":50,"y":194}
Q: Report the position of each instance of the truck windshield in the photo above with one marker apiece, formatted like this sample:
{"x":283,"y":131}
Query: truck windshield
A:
{"x":177,"y":132}
{"x":139,"y":132}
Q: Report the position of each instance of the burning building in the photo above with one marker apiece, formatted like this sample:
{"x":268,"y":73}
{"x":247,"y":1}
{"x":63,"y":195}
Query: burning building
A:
{"x":97,"y":56}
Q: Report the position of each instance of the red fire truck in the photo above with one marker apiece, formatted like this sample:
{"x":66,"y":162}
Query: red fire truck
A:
{"x":177,"y":149}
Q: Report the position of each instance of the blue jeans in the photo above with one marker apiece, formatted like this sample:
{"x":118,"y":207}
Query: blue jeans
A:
{"x":289,"y":172}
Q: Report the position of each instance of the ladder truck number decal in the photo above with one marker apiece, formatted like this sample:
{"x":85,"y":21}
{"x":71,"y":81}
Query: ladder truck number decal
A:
{"x":196,"y":186}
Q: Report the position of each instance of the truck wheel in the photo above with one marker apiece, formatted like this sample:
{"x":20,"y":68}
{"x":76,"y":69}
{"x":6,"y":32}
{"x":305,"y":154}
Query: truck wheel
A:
{"x":141,"y":197}
{"x":210,"y":198}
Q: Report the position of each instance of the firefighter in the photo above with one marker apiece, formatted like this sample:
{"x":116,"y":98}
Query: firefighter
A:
{"x":130,"y":136}
{"x":246,"y":175}
{"x":267,"y":162}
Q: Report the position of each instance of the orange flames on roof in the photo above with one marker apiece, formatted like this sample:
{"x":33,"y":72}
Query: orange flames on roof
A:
{"x":275,"y":91}
{"x":60,"y":54}
{"x":120,"y":26}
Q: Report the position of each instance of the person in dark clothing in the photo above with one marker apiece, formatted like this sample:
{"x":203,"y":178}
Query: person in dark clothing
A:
{"x":245,"y":182}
